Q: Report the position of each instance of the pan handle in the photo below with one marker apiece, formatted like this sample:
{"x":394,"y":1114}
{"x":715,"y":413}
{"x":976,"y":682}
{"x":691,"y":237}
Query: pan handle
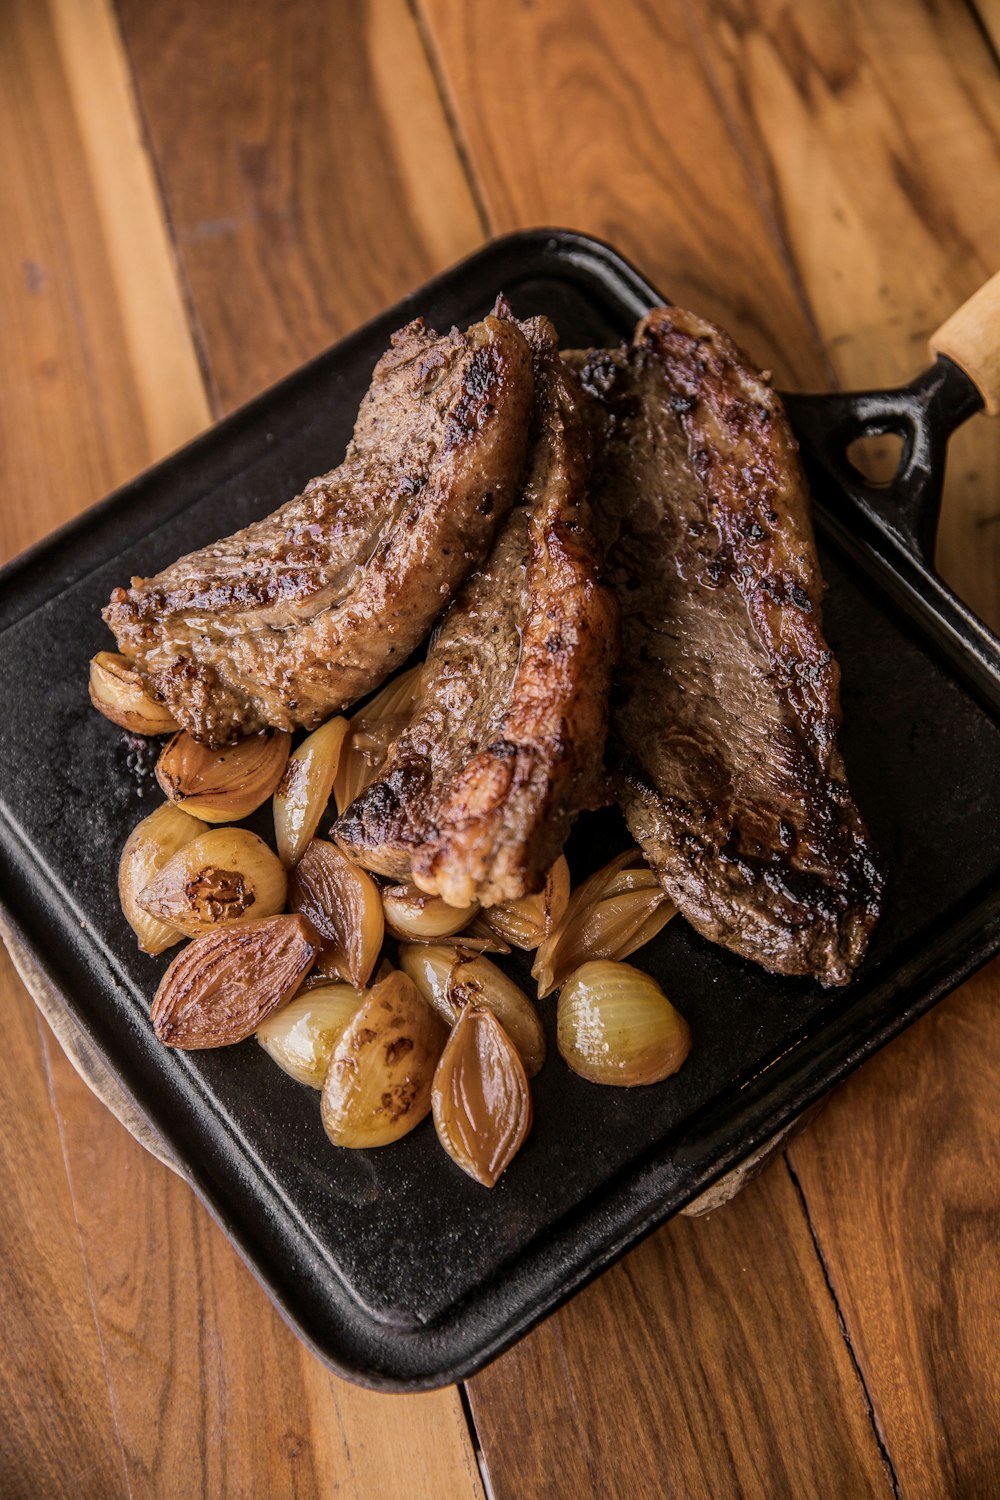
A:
{"x":970,"y":338}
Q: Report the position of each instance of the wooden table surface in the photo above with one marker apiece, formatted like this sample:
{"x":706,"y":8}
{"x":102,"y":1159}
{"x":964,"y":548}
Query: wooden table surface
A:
{"x":196,"y":197}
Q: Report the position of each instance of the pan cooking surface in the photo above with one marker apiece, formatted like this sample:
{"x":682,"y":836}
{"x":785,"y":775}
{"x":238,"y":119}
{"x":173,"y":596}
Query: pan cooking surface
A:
{"x":394,"y":1264}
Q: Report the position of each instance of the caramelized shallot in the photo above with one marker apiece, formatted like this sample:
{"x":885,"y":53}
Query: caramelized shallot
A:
{"x":305,"y":788}
{"x":374,"y":728}
{"x":481,"y":1099}
{"x":615,"y":1025}
{"x":527,"y":922}
{"x":223,"y":875}
{"x":301,"y":1036}
{"x":220,"y":988}
{"x":118,"y":691}
{"x":344,"y":906}
{"x":451,"y":980}
{"x":224,"y":785}
{"x":614,"y":912}
{"x":149,"y":846}
{"x":415,"y":917}
{"x":378,"y":1084}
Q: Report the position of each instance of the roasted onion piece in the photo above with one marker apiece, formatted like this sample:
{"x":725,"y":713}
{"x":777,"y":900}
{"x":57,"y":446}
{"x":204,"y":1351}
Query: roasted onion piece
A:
{"x":301,"y":1035}
{"x":222,"y":786}
{"x":344,"y":906}
{"x":147,"y":849}
{"x":415,"y":917}
{"x":451,"y":979}
{"x":220,"y":988}
{"x":305,"y":788}
{"x":614,"y":912}
{"x":373,"y":729}
{"x":615,"y":1025}
{"x":378,"y":1083}
{"x":118,"y":691}
{"x":527,"y":922}
{"x":223,"y":875}
{"x":481,"y":1099}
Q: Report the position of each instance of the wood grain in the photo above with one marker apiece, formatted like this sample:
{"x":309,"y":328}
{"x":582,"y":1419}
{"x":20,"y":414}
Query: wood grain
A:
{"x":612,"y":127}
{"x":707,"y":1363}
{"x":863,"y":141}
{"x":872,"y":131}
{"x":307,"y":168}
{"x":86,"y":279}
{"x":140,"y":1356}
{"x":59,"y":1433}
{"x":214,"y":1395}
{"x":900,"y":1175}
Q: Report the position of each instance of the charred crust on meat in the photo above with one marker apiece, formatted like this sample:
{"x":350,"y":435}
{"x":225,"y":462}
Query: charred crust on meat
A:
{"x":278,"y":619}
{"x":513,"y":713}
{"x":725,"y":761}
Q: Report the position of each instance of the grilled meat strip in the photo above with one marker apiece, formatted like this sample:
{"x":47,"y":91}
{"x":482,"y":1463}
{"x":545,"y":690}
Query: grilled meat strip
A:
{"x":505,"y":748}
{"x":724,"y":728}
{"x":302,"y":613}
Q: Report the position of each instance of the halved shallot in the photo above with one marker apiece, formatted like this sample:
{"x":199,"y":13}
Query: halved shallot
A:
{"x":614,"y":912}
{"x":222,"y":786}
{"x":615,"y":1025}
{"x":481,"y":1099}
{"x":344,"y":906}
{"x":305,"y":788}
{"x":378,"y":1084}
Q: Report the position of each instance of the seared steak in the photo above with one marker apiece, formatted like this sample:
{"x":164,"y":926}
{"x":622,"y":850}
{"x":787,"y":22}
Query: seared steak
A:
{"x":300,"y":614}
{"x":505,"y":748}
{"x":724,"y":743}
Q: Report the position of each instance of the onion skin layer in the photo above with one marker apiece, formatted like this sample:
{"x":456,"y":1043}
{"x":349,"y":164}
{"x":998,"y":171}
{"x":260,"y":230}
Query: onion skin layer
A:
{"x":616,"y":1026}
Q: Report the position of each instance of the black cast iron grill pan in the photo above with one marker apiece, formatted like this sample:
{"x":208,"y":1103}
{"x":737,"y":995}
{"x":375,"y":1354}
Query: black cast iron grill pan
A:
{"x":400,"y":1271}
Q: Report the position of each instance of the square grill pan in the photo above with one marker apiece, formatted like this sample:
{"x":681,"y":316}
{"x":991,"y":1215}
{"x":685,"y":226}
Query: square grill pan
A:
{"x":393,"y":1265}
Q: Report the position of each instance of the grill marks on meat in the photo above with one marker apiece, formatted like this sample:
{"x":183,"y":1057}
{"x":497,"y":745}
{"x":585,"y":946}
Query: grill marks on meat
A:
{"x":300,"y":614}
{"x":506,"y":746}
{"x":727,"y":707}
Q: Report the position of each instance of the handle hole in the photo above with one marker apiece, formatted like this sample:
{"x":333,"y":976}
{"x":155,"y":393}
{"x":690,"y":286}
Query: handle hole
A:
{"x":877,"y":458}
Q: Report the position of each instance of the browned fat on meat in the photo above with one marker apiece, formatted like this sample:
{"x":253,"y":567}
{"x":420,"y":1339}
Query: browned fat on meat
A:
{"x":300,"y":614}
{"x":505,"y":748}
{"x":726,"y":710}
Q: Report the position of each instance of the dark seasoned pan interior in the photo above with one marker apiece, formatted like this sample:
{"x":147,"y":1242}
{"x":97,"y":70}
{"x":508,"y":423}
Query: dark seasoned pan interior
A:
{"x":398,"y":1267}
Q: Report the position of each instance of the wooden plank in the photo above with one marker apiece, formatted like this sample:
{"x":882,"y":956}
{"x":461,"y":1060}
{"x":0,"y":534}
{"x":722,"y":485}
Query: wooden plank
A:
{"x":868,"y":134}
{"x":87,"y":284}
{"x":873,"y":130}
{"x":212,"y":1393}
{"x":307,"y":166}
{"x":612,"y":127}
{"x":59,"y":1434}
{"x":900,"y":1175}
{"x":707,"y":1363}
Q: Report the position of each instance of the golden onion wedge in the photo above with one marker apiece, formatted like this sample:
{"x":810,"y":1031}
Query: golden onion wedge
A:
{"x":374,"y":728}
{"x":220,"y":988}
{"x":301,"y":1036}
{"x":118,"y":691}
{"x":527,"y":922}
{"x":615,"y":1025}
{"x":429,"y":965}
{"x":378,"y":1083}
{"x":451,"y":980}
{"x":305,"y":788}
{"x":147,"y":849}
{"x":415,"y":917}
{"x":344,"y":906}
{"x":481,"y":1099}
{"x":222,"y":786}
{"x":224,"y":875}
{"x":612,"y":914}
